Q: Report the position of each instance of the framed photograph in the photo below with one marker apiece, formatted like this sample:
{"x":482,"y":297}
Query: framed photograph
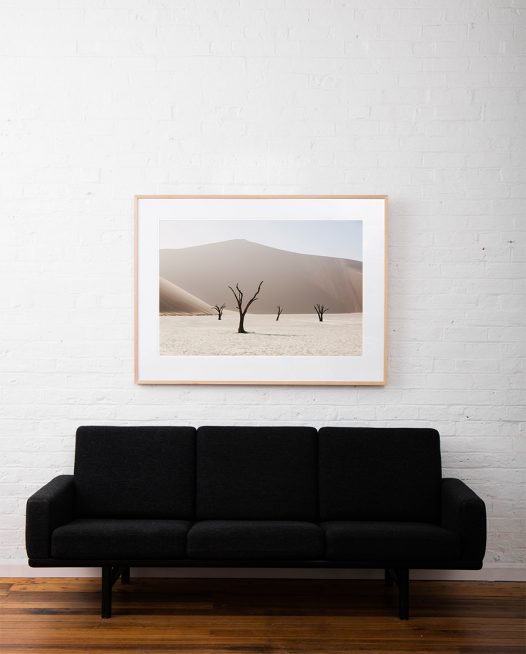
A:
{"x":260,"y":289}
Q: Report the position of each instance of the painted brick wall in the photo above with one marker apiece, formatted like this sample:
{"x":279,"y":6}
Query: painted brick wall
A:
{"x":422,"y":100}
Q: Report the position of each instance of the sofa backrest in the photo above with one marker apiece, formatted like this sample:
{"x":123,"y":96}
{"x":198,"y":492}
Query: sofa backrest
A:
{"x":273,"y":473}
{"x":143,"y":472}
{"x":379,"y":474}
{"x":256,"y":472}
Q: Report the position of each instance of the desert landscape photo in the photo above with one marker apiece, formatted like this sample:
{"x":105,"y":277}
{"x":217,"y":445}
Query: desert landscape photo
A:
{"x":260,"y":288}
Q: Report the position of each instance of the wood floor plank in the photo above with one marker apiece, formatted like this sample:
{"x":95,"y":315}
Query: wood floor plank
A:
{"x":200,"y":616}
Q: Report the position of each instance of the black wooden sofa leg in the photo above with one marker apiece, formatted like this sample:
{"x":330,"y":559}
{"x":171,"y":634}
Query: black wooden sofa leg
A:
{"x":402,"y":575}
{"x":107,"y":583}
{"x":125,"y":575}
{"x":110,"y":574}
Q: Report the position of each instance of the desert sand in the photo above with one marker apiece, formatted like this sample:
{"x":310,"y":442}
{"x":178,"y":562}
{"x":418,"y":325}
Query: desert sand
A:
{"x":173,"y":299}
{"x":296,"y":281}
{"x":292,"y":335}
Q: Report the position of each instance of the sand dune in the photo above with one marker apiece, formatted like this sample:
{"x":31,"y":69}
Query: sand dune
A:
{"x":294,"y":280}
{"x":176,"y":301}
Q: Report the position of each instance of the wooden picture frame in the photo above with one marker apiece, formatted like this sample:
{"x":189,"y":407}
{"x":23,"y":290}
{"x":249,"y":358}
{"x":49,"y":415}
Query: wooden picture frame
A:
{"x":297,"y":242}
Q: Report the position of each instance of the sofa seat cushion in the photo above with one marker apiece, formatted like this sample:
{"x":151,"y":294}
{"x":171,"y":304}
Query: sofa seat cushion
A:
{"x":255,"y":539}
{"x":108,"y":538}
{"x":389,"y":541}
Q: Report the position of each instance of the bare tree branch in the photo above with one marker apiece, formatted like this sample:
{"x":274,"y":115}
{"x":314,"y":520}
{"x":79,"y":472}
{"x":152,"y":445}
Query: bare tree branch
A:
{"x":254,"y":297}
{"x":320,"y":310}
{"x":239,"y":297}
{"x":219,"y":310}
{"x":238,"y":294}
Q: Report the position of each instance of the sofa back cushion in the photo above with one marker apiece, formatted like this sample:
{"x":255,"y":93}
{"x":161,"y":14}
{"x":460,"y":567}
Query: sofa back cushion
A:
{"x":135,"y":472}
{"x":379,"y":474}
{"x":258,"y":473}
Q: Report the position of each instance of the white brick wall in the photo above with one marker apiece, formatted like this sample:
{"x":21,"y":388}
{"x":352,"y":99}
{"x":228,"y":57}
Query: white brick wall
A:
{"x":423,"y":100}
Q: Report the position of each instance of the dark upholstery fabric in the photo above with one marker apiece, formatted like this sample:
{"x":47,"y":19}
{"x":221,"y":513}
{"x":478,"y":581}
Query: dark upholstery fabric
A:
{"x":379,"y":474}
{"x":389,"y":541}
{"x":253,"y":539}
{"x":465,"y":513}
{"x":135,"y":472}
{"x":49,"y":507}
{"x":255,"y":489}
{"x":120,"y":539}
{"x":256,"y":473}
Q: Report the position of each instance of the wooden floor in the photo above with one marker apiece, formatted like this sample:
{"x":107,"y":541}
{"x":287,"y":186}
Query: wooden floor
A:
{"x":261,"y":616}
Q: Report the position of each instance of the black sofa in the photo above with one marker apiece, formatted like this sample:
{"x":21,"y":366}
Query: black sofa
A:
{"x":256,"y":497}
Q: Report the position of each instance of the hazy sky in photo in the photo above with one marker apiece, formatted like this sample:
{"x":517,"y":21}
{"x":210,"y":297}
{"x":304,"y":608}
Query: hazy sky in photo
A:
{"x":330,"y":238}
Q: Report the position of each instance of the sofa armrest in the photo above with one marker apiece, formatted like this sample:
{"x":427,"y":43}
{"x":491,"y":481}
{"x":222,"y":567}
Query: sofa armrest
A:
{"x":464,"y":513}
{"x":47,"y":509}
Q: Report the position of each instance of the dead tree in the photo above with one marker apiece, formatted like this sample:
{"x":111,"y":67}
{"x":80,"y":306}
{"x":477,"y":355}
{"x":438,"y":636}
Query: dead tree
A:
{"x":280,"y":311}
{"x":238,"y":294}
{"x":320,"y":310}
{"x":219,"y":310}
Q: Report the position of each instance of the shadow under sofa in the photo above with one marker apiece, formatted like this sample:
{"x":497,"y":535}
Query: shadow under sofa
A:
{"x":278,"y":497}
